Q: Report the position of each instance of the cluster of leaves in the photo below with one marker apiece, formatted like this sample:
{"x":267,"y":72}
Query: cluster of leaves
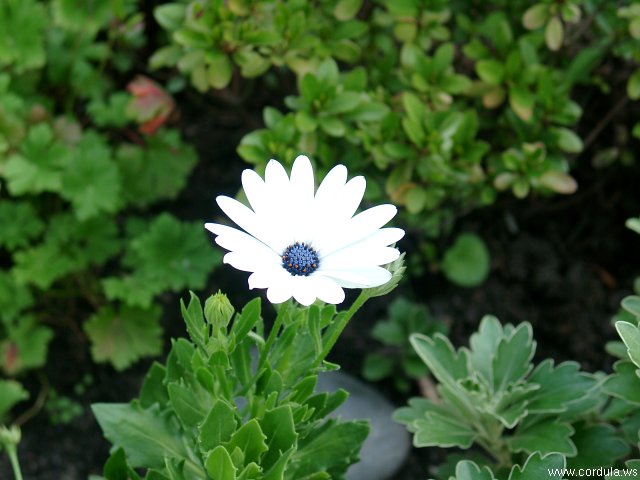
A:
{"x":397,"y":360}
{"x":440,"y":109}
{"x":75,"y":180}
{"x":232,"y":403}
{"x":493,"y":397}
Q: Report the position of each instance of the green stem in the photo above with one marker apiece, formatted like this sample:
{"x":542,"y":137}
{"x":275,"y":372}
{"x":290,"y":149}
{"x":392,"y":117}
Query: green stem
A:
{"x":273,"y":334}
{"x":343,"y":321}
{"x":12,"y":452}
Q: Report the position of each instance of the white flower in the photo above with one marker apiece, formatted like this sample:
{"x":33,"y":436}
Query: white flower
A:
{"x":307,"y":244}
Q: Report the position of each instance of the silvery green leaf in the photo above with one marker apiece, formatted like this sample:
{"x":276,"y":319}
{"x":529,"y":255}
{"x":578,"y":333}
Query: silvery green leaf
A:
{"x":545,"y":437}
{"x":538,"y":466}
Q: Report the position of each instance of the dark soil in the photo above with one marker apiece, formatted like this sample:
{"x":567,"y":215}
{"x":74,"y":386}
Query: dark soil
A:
{"x":562,"y":264}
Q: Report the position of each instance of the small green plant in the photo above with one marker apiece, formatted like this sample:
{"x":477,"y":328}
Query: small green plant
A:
{"x":397,"y":360}
{"x":492,"y":396}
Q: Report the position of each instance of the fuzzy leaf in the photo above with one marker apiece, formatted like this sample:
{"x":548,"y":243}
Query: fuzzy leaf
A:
{"x":122,"y":337}
{"x":219,"y":465}
{"x":558,"y":386}
{"x":468,"y":470}
{"x":25,"y":346}
{"x":545,"y":437}
{"x":435,"y":430}
{"x":513,"y":356}
{"x":624,"y":383}
{"x":597,"y":445}
{"x":538,"y":466}
{"x":630,"y":335}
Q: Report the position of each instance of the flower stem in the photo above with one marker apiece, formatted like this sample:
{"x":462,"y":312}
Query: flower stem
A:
{"x":15,"y":464}
{"x":273,"y":333}
{"x":342,"y":320}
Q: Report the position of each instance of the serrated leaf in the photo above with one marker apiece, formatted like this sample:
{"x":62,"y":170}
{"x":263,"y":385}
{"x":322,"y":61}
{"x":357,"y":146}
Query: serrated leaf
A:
{"x":538,"y":466}
{"x":597,"y":446}
{"x":14,"y":297}
{"x":437,"y":430}
{"x":624,"y":383}
{"x":185,"y":405}
{"x":558,"y":386}
{"x":513,"y":356}
{"x":153,"y":389}
{"x":146,"y":435}
{"x":25,"y":346}
{"x":122,"y":337}
{"x":279,"y":427}
{"x":37,"y":166}
{"x":468,"y":470}
{"x":483,"y":345}
{"x":545,"y":437}
{"x":218,"y":426}
{"x":11,"y":392}
{"x":250,"y":439}
{"x":219,"y":465}
{"x":143,"y":181}
{"x":90,"y":179}
{"x":334,"y":447}
{"x":443,"y":361}
{"x":23,"y":24}
{"x":466,"y":262}
{"x":20,"y":223}
{"x":630,"y":335}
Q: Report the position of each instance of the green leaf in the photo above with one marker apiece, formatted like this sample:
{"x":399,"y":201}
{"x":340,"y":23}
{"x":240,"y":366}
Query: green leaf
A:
{"x":559,"y":386}
{"x":535,"y":16}
{"x":346,"y":9}
{"x":170,"y":255}
{"x":219,"y":465}
{"x":116,"y":467}
{"x":250,"y":439}
{"x":143,"y":183}
{"x":187,"y":408}
{"x":90,"y":179}
{"x":20,"y":224}
{"x":624,"y":383}
{"x":468,"y":470}
{"x":146,"y":435}
{"x":521,"y":101}
{"x":331,"y":448}
{"x":633,"y":85}
{"x":278,"y":425}
{"x":447,"y":365}
{"x":14,"y":297}
{"x":512,"y":360}
{"x":219,"y":70}
{"x":124,"y":336}
{"x":558,"y":182}
{"x":484,"y":344}
{"x":23,"y":24}
{"x":466,"y":262}
{"x":538,"y":466}
{"x":597,"y":446}
{"x":441,"y":431}
{"x":153,"y":389}
{"x":567,"y":140}
{"x":490,"y":71}
{"x":632,"y":305}
{"x":37,"y":166}
{"x":305,"y":122}
{"x":170,"y":16}
{"x":377,"y":366}
{"x":82,"y":15}
{"x":11,"y":392}
{"x":25,"y":346}
{"x":554,"y":33}
{"x":630,"y":335}
{"x":332,"y":126}
{"x":218,"y":427}
{"x":549,"y":436}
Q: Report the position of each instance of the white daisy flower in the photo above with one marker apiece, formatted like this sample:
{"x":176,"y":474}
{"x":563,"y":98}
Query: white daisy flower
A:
{"x":303,"y":243}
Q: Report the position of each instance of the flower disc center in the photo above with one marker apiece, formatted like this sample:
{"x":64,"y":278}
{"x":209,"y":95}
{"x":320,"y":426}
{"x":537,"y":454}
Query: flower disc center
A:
{"x":300,"y":259}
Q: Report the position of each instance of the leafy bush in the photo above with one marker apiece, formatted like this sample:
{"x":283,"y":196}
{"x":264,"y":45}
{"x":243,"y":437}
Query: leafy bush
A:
{"x":75,"y":178}
{"x":442,"y":108}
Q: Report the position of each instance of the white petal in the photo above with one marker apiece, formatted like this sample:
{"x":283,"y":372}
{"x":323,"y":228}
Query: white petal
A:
{"x":255,"y":190}
{"x":359,"y":256}
{"x":303,"y":290}
{"x":333,"y":181}
{"x":252,"y":223}
{"x":266,"y":277}
{"x":281,"y":289}
{"x":327,"y":289}
{"x":358,"y":228}
{"x":233,"y":239}
{"x":248,"y":261}
{"x":361,"y":277}
{"x":299,"y":208}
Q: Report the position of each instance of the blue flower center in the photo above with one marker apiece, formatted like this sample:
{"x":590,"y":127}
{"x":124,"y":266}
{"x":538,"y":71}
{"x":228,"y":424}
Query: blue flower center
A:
{"x":300,"y":259}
